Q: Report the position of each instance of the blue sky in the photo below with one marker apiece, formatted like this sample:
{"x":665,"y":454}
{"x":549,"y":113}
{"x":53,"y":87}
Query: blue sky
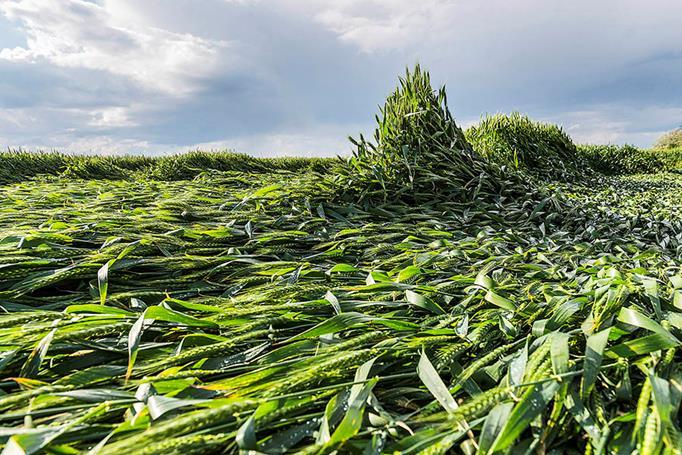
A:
{"x":296,"y":77}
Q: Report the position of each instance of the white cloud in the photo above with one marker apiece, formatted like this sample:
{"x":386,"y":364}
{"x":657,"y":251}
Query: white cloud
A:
{"x":329,"y":140}
{"x":499,"y":46}
{"x":51,"y":128}
{"x":379,"y":25}
{"x":441,"y":26}
{"x":81,"y":34}
{"x":66,"y":142}
{"x":111,"y":117}
{"x":58,"y":127}
{"x":107,"y":145}
{"x":15,"y":118}
{"x":613,"y":124}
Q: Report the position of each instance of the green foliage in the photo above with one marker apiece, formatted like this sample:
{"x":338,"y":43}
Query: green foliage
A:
{"x":628,"y":159}
{"x":670,"y":140}
{"x":418,"y":152}
{"x":19,"y":165}
{"x":189,"y":165}
{"x":672,"y":159}
{"x":520,"y":143}
{"x":104,"y":167}
{"x":250,"y":311}
{"x":215,"y":309}
{"x":621,"y":159}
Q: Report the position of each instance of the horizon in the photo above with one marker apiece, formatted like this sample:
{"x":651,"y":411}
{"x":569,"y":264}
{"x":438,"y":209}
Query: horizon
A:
{"x":292,"y":78}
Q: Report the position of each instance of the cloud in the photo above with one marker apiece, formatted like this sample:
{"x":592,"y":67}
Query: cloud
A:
{"x":8,"y":116}
{"x":326,"y":140}
{"x":604,"y":124}
{"x":290,"y":77}
{"x":111,"y":117}
{"x":107,"y":145}
{"x":522,"y":54}
{"x":80,"y":34}
{"x":623,"y":27}
{"x":382,"y":25}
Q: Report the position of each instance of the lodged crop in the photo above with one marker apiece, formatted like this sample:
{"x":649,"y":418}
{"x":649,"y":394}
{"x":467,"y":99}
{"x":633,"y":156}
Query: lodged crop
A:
{"x":420,"y":298}
{"x":623,"y":159}
{"x":670,"y":141}
{"x":516,"y":141}
{"x":20,"y":165}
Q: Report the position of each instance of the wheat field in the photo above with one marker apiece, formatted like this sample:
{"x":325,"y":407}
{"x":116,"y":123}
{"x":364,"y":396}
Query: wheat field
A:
{"x":495,"y":290}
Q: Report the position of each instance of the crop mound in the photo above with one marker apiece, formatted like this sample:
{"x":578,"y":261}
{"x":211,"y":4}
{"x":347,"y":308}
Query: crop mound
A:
{"x":419,"y":152}
{"x":622,"y":159}
{"x":670,"y":141}
{"x":520,"y":143}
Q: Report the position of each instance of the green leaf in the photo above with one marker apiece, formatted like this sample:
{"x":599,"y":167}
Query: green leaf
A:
{"x":675,"y":319}
{"x":594,"y":352}
{"x":134,"y":337}
{"x":354,"y":402}
{"x":662,"y":398}
{"x":331,"y":298}
{"x":283,"y":441}
{"x":97,"y":395}
{"x":35,"y":359}
{"x":559,"y":352}
{"x":517,"y":366}
{"x":361,"y":375}
{"x":429,"y":376}
{"x":633,"y":317}
{"x":408,"y":273}
{"x":375,"y":277}
{"x":97,"y":309}
{"x":158,"y":405}
{"x":500,"y":301}
{"x":29,"y":443}
{"x":343,"y":268}
{"x":651,"y":291}
{"x":484,"y":281}
{"x":264,"y":191}
{"x":335,"y":324}
{"x":193,"y":306}
{"x":676,"y":281}
{"x":103,"y":281}
{"x":494,"y":422}
{"x":333,"y":412}
{"x":533,"y":402}
{"x":421,"y":301}
{"x":92,"y":375}
{"x":163,"y":313}
{"x":581,"y":415}
{"x":352,"y":421}
{"x":642,"y":345}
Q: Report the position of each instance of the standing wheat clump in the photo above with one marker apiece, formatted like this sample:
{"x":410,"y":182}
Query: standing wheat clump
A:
{"x":418,"y":151}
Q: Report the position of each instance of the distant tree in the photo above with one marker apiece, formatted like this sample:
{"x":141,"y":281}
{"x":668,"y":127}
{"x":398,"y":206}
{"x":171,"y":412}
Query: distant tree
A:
{"x":670,"y":140}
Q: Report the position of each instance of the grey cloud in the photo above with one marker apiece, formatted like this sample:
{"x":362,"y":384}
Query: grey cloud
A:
{"x":289,"y":73}
{"x":41,"y":85}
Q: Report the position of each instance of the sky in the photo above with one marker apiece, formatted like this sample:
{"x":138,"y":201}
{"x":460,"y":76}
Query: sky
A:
{"x":297,"y":77}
